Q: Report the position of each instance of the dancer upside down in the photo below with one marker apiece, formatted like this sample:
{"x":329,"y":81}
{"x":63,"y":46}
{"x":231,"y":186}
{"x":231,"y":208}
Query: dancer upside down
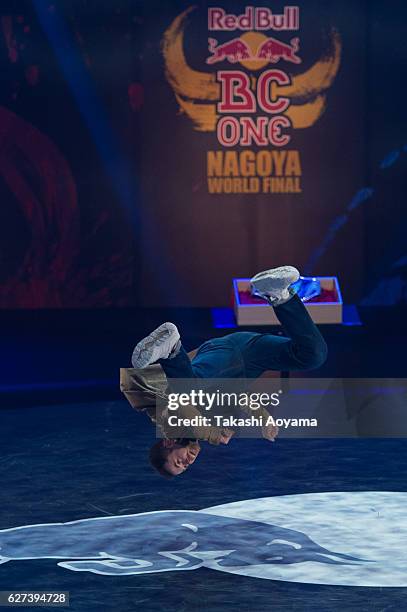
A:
{"x":237,"y":355}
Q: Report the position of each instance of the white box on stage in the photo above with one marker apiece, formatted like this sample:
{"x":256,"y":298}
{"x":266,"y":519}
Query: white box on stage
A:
{"x":325,"y":308}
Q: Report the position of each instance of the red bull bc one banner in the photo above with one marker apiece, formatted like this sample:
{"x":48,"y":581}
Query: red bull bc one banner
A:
{"x":249,"y":98}
{"x":252,"y":143}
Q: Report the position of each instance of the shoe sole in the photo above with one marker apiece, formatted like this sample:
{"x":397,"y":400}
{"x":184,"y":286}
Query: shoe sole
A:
{"x":143,"y":353}
{"x":276,"y":279}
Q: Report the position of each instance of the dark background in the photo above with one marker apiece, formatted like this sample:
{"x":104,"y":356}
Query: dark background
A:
{"x":104,"y":216}
{"x":103,"y":189}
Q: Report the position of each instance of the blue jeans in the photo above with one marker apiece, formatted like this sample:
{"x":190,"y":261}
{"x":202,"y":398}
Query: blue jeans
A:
{"x":249,"y":354}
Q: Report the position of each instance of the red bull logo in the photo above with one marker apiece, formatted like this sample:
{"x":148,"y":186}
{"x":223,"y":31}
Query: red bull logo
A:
{"x":274,"y":50}
{"x":254,"y":48}
{"x":255,"y":105}
{"x":233,"y":51}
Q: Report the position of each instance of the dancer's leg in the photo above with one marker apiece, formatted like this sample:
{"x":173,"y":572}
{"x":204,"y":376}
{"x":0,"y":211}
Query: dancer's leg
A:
{"x":303,"y":348}
{"x":244,"y":354}
{"x":215,"y":358}
{"x":178,"y":366}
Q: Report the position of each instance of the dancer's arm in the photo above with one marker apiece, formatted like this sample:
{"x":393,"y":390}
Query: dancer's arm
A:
{"x":209,"y":433}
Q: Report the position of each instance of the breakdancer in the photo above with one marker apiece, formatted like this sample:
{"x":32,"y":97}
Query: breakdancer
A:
{"x":237,"y":355}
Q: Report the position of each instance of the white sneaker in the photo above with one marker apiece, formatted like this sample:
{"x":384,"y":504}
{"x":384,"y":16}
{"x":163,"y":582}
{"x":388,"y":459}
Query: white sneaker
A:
{"x":158,"y":345}
{"x":273,"y":285}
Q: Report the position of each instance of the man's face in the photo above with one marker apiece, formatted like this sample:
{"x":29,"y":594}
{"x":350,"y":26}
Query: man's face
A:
{"x":180,"y":457}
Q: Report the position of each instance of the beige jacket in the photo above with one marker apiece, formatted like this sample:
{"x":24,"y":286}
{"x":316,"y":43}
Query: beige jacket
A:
{"x":142,"y":387}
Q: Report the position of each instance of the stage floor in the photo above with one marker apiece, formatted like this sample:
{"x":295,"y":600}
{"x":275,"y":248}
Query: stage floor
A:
{"x":65,"y":462}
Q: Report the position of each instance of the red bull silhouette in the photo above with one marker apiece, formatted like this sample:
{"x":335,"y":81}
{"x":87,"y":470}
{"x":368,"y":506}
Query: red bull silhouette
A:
{"x":164,"y":541}
{"x":274,"y":50}
{"x":233,"y":51}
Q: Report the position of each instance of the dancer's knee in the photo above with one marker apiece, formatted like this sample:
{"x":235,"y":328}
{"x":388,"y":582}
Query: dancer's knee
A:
{"x":316,"y":355}
{"x":313,"y":355}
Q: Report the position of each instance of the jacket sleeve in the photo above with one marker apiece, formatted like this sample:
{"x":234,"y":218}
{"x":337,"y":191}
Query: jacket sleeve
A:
{"x":262,"y":413}
{"x":143,"y":388}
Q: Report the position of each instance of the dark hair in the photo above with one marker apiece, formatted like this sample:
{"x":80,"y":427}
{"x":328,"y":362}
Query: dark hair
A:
{"x":158,"y":457}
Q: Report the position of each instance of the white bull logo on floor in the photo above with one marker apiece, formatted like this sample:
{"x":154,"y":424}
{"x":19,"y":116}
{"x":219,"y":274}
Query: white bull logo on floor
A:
{"x":163,"y":541}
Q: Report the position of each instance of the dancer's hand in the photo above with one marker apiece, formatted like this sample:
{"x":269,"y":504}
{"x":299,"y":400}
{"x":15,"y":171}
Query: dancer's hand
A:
{"x":226,"y":434}
{"x":269,"y":432}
